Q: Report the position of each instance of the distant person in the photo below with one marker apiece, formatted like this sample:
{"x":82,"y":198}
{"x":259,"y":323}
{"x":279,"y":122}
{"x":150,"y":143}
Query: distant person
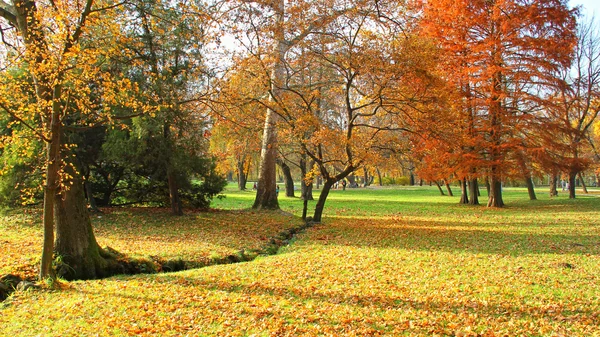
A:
{"x":277,"y":191}
{"x":254,"y":187}
{"x":344,"y":185}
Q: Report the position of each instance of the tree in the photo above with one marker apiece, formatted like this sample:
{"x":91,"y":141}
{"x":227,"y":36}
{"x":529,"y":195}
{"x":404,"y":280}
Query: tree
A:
{"x":493,"y":48}
{"x":50,"y":42}
{"x":575,"y":101}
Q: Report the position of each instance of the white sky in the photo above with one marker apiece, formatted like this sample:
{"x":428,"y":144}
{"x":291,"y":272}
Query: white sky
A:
{"x":589,"y":6}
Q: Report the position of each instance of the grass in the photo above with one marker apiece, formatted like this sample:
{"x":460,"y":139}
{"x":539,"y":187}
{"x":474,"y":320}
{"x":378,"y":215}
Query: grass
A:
{"x":391,"y":261}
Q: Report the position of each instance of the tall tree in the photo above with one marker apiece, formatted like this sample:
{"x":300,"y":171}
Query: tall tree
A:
{"x":493,"y":47}
{"x":50,"y":38}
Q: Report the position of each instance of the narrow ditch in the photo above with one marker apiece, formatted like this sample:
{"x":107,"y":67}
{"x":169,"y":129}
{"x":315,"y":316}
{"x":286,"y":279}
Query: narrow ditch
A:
{"x":10,"y":283}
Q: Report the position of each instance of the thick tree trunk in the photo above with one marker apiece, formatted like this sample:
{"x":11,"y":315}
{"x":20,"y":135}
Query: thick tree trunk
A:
{"x":411,"y":178}
{"x":75,"y":241}
{"x":366,"y":177}
{"x":352,"y":180}
{"x":584,"y":188}
{"x":176,"y":208}
{"x":448,"y":188}
{"x":553,"y":185}
{"x":266,"y":195}
{"x":242,"y":178}
{"x":439,"y":187}
{"x":322,"y":198}
{"x":530,"y":187}
{"x":287,"y":178}
{"x":473,"y":190}
{"x":572,"y":176}
{"x":495,"y":197}
{"x":464,"y":196}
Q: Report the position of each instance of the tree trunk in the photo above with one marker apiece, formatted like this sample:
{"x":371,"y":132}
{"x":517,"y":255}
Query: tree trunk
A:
{"x":242,"y":178}
{"x":411,"y":180}
{"x":89,"y":192}
{"x":464,"y":196}
{"x":585,"y":191}
{"x":76,"y":244}
{"x":530,"y":187}
{"x":572,"y":176}
{"x":488,"y":188}
{"x":306,"y":189}
{"x":322,"y":198}
{"x":176,"y":208}
{"x":495,"y":196}
{"x":266,"y":195}
{"x":448,"y":188}
{"x":473,"y":190}
{"x":352,"y":180}
{"x":287,"y":177}
{"x":365,"y":176}
{"x":379,"y":176}
{"x":553,"y":185}
{"x":439,"y":187}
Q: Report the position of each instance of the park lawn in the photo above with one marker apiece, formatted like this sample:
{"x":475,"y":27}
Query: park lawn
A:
{"x":400,"y":261}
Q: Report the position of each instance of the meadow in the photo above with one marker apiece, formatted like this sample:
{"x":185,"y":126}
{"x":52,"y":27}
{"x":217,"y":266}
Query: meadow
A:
{"x":384,"y":262}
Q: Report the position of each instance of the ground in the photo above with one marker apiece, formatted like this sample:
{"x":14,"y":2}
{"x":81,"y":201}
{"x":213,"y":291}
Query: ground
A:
{"x":391,"y":261}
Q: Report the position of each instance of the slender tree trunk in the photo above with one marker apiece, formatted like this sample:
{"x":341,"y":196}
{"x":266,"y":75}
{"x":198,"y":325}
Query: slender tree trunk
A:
{"x":379,"y":176}
{"x":464,"y":196}
{"x":366,"y":176}
{"x":439,"y":187}
{"x":306,"y":189}
{"x":585,"y":191}
{"x":53,"y":164}
{"x":473,"y":190}
{"x":530,"y":187}
{"x":287,"y":177}
{"x":242,"y":178}
{"x":553,"y":185}
{"x":176,"y":208}
{"x":448,"y":188}
{"x":89,"y":192}
{"x":322,"y":198}
{"x":411,"y":180}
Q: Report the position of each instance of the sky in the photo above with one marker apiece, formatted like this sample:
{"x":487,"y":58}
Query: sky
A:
{"x":589,"y":6}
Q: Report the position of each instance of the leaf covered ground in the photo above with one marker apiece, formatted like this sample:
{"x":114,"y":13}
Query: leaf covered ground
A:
{"x":386,"y":262}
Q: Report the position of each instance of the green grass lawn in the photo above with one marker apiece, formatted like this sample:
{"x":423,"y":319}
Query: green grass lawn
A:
{"x":386,"y":261}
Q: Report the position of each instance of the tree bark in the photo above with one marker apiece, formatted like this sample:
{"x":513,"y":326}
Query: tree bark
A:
{"x":76,"y":244}
{"x":473,"y":190}
{"x":322,"y":198}
{"x":553,"y":185}
{"x":176,"y":208}
{"x":583,"y":186}
{"x":379,"y":176}
{"x":439,"y":187}
{"x":411,"y":178}
{"x":287,"y":178}
{"x":464,"y":196}
{"x":448,"y":188}
{"x":306,"y":189}
{"x":242,"y":178}
{"x":572,"y":176}
{"x":266,"y":196}
{"x":495,"y":197}
{"x":530,"y":187}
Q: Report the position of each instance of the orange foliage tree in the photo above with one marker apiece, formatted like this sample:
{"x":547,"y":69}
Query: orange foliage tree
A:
{"x":494,"y":49}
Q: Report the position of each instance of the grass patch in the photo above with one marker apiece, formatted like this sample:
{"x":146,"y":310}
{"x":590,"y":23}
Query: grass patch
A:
{"x":394,"y":262}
